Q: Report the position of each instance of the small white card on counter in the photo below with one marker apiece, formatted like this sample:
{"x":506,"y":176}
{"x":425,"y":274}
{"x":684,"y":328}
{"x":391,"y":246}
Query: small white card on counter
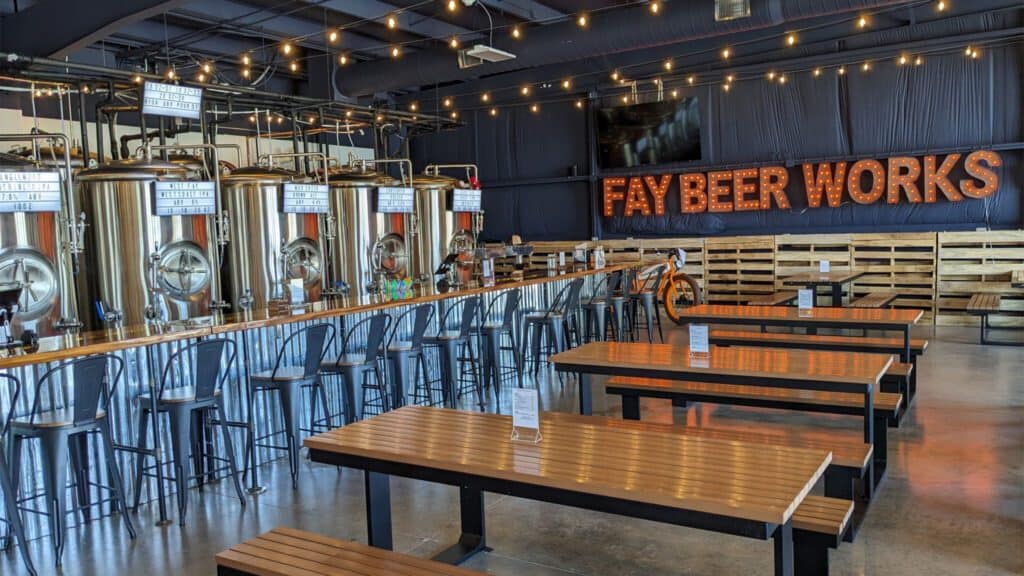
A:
{"x":805,"y":299}
{"x":824,"y":266}
{"x":296,"y":292}
{"x":525,"y":414}
{"x":487,"y":271}
{"x":561,"y":259}
{"x":699,"y":339}
{"x":599,"y":258}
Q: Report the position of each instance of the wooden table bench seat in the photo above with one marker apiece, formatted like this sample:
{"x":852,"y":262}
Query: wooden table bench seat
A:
{"x":776,"y":299}
{"x":880,"y":344}
{"x":874,"y":300}
{"x":290,"y":552}
{"x":887,"y":406}
{"x":819,"y":524}
{"x":984,"y":305}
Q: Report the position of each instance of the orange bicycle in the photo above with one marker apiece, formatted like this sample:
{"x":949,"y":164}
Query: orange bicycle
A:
{"x":678,"y":289}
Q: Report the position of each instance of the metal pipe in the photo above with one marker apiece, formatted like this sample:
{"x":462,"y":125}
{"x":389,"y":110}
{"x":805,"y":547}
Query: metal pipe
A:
{"x":435,"y":169}
{"x":83,"y":126}
{"x":362,"y":162}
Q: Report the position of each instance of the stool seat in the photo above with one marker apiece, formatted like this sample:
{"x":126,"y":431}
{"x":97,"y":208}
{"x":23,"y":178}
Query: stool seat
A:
{"x":53,"y":419}
{"x":493,"y":327}
{"x":595,"y":302}
{"x":181,"y":395}
{"x":400,"y":347}
{"x":542,"y":316}
{"x":344,"y":361}
{"x":443,"y":336}
{"x":284,"y":374}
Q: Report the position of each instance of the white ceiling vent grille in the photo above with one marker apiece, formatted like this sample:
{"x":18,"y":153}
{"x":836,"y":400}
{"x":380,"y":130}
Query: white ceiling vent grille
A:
{"x":730,"y":9}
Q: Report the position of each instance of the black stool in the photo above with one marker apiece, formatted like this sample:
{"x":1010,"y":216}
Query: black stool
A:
{"x":620,"y":300}
{"x":492,"y":333}
{"x":451,"y":343}
{"x":405,"y":344}
{"x":555,"y":323}
{"x":288,"y":381}
{"x":595,"y":309}
{"x":71,"y":401}
{"x":13,"y":516}
{"x":354,"y":367}
{"x":647,"y":299}
{"x":190,"y":391}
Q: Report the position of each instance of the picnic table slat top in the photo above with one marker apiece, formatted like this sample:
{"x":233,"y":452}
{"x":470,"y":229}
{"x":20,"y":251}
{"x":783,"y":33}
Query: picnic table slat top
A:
{"x":662,"y":360}
{"x":822,"y":278}
{"x":748,"y":481}
{"x":823,"y":315}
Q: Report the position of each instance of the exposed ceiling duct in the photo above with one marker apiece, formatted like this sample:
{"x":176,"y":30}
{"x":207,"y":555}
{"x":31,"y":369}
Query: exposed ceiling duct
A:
{"x":622,"y":30}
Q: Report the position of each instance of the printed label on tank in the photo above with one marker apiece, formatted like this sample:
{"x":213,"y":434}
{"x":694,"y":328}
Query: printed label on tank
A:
{"x":161,"y":99}
{"x":305,"y":199}
{"x":29,"y":192}
{"x":395,"y":200}
{"x":465,"y":200}
{"x":184,"y":198}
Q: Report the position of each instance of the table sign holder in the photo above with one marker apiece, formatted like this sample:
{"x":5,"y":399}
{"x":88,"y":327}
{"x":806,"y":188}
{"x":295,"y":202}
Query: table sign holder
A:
{"x":561,"y":260}
{"x":699,"y":346}
{"x":805,"y":299}
{"x":599,"y":258}
{"x":487,"y":272}
{"x":526,"y":415}
{"x":824,"y":266}
{"x":296,"y":292}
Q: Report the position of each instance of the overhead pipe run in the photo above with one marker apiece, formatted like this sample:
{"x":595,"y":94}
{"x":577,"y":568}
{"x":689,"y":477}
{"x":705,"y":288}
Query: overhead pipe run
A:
{"x":611,"y":32}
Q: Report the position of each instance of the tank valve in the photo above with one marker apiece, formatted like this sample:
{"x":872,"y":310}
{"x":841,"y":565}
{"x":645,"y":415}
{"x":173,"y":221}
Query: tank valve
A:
{"x":220,"y":305}
{"x":245,"y":300}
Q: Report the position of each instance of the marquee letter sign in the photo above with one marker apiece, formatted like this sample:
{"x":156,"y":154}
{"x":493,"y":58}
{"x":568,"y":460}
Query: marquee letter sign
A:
{"x":867,"y":181}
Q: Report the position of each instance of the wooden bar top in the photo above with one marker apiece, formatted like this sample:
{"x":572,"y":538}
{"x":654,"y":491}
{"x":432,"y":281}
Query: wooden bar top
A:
{"x":853,"y":369}
{"x":824,"y":315}
{"x":822,"y":278}
{"x":56,"y":348}
{"x":749,"y":481}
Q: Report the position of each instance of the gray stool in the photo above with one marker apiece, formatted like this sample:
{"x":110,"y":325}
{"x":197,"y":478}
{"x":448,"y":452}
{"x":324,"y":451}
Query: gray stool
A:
{"x":405,"y":344}
{"x":621,"y":317}
{"x":13,"y":516}
{"x":287,"y":381}
{"x":71,"y":401}
{"x":646,"y":299}
{"x":354,"y":366}
{"x":450,"y":343}
{"x":554,"y":323}
{"x":595,"y":309}
{"x":190,"y":390}
{"x":492,"y":332}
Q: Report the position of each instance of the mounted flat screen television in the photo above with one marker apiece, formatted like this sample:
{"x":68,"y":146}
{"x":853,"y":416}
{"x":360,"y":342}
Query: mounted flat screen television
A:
{"x":651,"y":133}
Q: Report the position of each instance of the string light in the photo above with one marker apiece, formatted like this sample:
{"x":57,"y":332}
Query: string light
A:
{"x":343,"y":59}
{"x":771,"y":75}
{"x":579,"y":104}
{"x":691,"y":79}
{"x":454,"y":114}
{"x":380,"y":118}
{"x":625,"y":99}
{"x":332,"y":36}
{"x":668,"y":64}
{"x":726,"y":52}
{"x":615,"y":75}
{"x":447,"y":103}
{"x":252,"y":119}
{"x":201,"y":77}
{"x":940,"y":6}
{"x":207,"y":68}
{"x":395,"y":52}
{"x":137,"y":79}
{"x":817,"y":72}
{"x":294,"y":66}
{"x":581,"y":20}
{"x":171,"y":74}
{"x":392,"y":21}
{"x":312,"y":119}
{"x":534,"y":108}
{"x":516,"y":33}
{"x":245,"y":72}
{"x":525,"y":90}
{"x":726,"y":87}
{"x":494,"y":111}
{"x":655,"y":7}
{"x":675,"y":93}
{"x":486,"y":96}
{"x":413,"y":107}
{"x":286,"y":48}
{"x":865,"y":66}
{"x":566,"y":84}
{"x":729,"y":78}
{"x":862,"y":22}
{"x":902,"y":59}
{"x":790,"y":39}
{"x":454,"y":42}
{"x":918,"y":61}
{"x":841,"y":70}
{"x":246,"y":60}
{"x":452,"y":5}
{"x":782,"y":78}
{"x":348,"y":113}
{"x":85,"y":89}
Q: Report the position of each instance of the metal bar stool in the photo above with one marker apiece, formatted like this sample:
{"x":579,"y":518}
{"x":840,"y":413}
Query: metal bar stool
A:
{"x":13,"y":516}
{"x":354,"y":366}
{"x":71,"y":401}
{"x":190,"y":391}
{"x":450,"y":343}
{"x":554,"y":323}
{"x":595,"y":309}
{"x":621,"y":320}
{"x":646,"y":298}
{"x":492,"y":333}
{"x":287,"y":381}
{"x":405,"y":344}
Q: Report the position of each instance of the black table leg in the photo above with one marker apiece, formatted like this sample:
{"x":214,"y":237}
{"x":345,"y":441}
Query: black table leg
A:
{"x":586,"y":395}
{"x":814,"y":302}
{"x":630,"y":407}
{"x":783,"y":537}
{"x":474,"y":537}
{"x":837,"y":295}
{"x":378,"y":509}
{"x":811,"y":553}
{"x":906,"y":346}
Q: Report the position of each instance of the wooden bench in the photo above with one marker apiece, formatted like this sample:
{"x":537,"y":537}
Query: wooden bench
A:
{"x":983,"y":305}
{"x":887,"y":406}
{"x":776,"y":299}
{"x":819,"y":523}
{"x":871,"y":344}
{"x":874,"y":300}
{"x":290,"y":552}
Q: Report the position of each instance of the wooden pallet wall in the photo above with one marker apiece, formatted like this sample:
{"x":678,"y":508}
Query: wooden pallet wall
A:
{"x":901,"y":263}
{"x":800,"y":253}
{"x":738,"y":268}
{"x":978,"y":263}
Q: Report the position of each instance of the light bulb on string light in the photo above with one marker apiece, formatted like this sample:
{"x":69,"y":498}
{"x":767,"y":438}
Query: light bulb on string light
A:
{"x":771,"y":75}
{"x":862,"y":22}
{"x":245,"y":73}
{"x":447,"y":103}
{"x":494,"y":111}
{"x":782,"y":78}
{"x":582,"y":20}
{"x":615,"y":75}
{"x":675,"y":93}
{"x":85,"y":88}
{"x":525,"y":90}
{"x":286,"y":48}
{"x":729,"y":78}
{"x":918,"y":60}
{"x":791,"y":39}
{"x":252,"y":119}
{"x":413,"y":107}
{"x":655,"y":6}
{"x":625,"y":99}
{"x":865,"y":67}
{"x":516,"y":33}
{"x":201,"y":77}
{"x":452,"y":5}
{"x":348,"y":113}
{"x":691,"y":79}
{"x":396,"y":51}
{"x":566,"y":84}
{"x":902,"y":59}
{"x":579,"y":104}
{"x":534,"y":108}
{"x":668,"y":65}
{"x":726,"y":53}
{"x":454,"y":115}
{"x":486,"y":96}
{"x":841,"y":70}
{"x":454,"y":42}
{"x":137,"y":79}
{"x":246,"y":60}
{"x":727,"y":86}
{"x":392,"y":21}
{"x":294,"y":66}
{"x":817,"y":72}
{"x":940,"y":5}
{"x":343,"y":59}
{"x":171,"y":74}
{"x":312,"y":120}
{"x":332,"y":36}
{"x":207,"y":68}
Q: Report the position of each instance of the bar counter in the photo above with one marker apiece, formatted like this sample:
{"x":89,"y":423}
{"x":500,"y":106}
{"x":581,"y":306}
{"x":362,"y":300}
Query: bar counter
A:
{"x":58,"y":348}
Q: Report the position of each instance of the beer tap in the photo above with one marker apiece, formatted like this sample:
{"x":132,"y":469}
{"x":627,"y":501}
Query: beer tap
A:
{"x":153,"y":311}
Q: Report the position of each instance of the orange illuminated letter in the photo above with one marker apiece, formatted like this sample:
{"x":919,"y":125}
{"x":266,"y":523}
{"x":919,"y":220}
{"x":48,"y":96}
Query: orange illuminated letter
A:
{"x":877,"y":181}
{"x":612,"y":194}
{"x":773,"y":185}
{"x":636,"y":198}
{"x":717,"y":191}
{"x":990,"y":180}
{"x":903,"y":173}
{"x":815,"y":184}
{"x":658,"y":191}
{"x":692,"y":197}
{"x":742,"y":187}
{"x":940,"y":178}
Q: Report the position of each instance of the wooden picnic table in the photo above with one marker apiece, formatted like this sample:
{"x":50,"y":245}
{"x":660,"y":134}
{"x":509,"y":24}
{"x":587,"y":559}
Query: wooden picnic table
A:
{"x":728,"y":486}
{"x":835,"y":279}
{"x":854,"y":372}
{"x":895,"y":319}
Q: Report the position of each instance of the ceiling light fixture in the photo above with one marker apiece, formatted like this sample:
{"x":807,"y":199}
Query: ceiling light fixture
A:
{"x":581,"y":20}
{"x":343,"y":59}
{"x":516,"y":33}
{"x":655,"y":6}
{"x":726,"y":53}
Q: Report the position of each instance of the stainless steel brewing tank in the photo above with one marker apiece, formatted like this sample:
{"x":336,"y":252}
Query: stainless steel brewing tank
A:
{"x":267,"y":248}
{"x":437,"y":224}
{"x":138,"y":266}
{"x":358,"y":227}
{"x":31,"y":254}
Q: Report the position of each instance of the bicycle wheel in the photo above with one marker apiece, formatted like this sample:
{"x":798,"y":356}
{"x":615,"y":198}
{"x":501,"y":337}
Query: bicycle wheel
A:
{"x":681,"y":292}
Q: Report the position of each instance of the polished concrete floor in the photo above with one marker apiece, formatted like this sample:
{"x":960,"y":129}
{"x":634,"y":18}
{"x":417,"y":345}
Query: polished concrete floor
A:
{"x":953,"y":501}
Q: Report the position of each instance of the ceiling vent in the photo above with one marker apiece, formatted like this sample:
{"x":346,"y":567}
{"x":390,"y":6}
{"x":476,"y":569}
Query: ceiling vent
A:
{"x":731,"y":9}
{"x":481,"y":53}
